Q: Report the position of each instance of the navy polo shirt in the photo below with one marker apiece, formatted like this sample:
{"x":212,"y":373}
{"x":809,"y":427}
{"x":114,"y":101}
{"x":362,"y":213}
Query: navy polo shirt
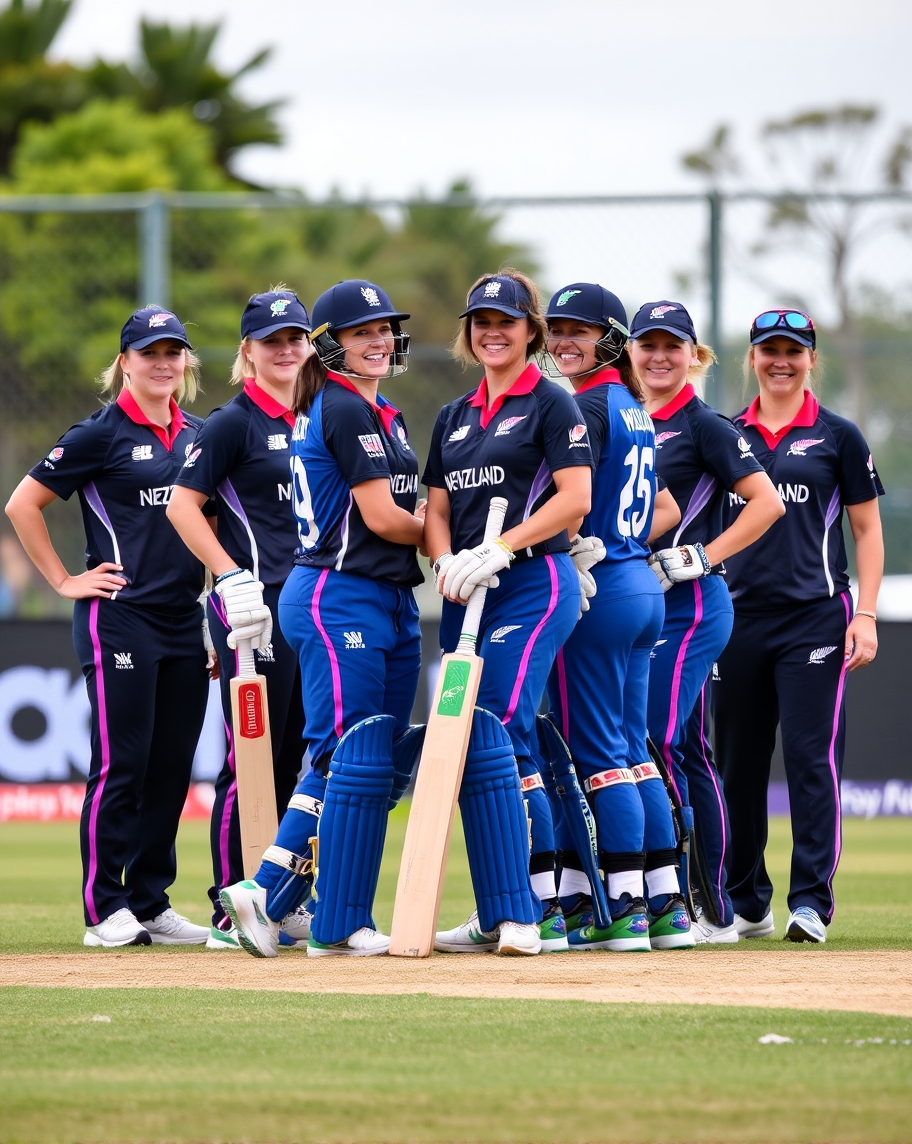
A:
{"x":241,"y":457}
{"x":622,"y":438}
{"x":341,"y":442}
{"x":509,"y":449}
{"x":818,"y":463}
{"x":700,"y":455}
{"x":123,"y":467}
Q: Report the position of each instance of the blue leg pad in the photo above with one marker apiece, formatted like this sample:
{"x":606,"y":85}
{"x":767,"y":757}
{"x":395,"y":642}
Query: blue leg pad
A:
{"x":532,"y":783}
{"x":353,"y":829}
{"x":660,"y":832}
{"x":496,"y":831}
{"x":287,"y":888}
{"x":406,"y":749}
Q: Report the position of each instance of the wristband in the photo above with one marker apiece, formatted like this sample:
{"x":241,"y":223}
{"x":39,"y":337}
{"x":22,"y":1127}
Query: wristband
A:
{"x":506,"y":547}
{"x":437,"y":562}
{"x":230,"y":572}
{"x":871,"y":615}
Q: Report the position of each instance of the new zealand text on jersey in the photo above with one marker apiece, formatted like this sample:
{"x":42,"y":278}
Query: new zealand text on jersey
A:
{"x":156,"y":496}
{"x":404,"y":483}
{"x":474,"y":478}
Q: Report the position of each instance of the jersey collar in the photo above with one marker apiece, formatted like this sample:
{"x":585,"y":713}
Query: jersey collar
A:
{"x":269,"y":405}
{"x":688,"y":393}
{"x":525,"y":383}
{"x":603,"y":377}
{"x":385,"y":411}
{"x":804,"y":419}
{"x":128,"y":404}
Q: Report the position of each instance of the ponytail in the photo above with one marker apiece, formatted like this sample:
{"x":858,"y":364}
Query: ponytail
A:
{"x":310,"y":380}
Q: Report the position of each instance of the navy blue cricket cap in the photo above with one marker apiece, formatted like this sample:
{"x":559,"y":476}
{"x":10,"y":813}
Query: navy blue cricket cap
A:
{"x":500,"y":292}
{"x":669,"y":316}
{"x":276,"y":310}
{"x":152,"y":324}
{"x":352,"y":302}
{"x":590,"y":303}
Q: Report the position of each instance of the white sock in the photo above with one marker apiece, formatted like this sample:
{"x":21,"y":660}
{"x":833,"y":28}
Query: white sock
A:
{"x":543,"y":884}
{"x":662,"y":881}
{"x":573,"y":882}
{"x":625,"y":882}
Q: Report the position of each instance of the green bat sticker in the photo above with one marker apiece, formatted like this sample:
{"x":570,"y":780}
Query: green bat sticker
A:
{"x":452,"y":694}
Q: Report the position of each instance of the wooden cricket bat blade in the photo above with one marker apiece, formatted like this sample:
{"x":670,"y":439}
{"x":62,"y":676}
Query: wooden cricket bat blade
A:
{"x":253,"y":770}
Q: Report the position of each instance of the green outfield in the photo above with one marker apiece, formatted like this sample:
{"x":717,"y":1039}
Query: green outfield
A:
{"x":195,"y":1065}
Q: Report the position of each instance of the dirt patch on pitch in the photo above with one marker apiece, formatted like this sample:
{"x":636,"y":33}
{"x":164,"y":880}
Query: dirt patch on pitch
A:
{"x":793,"y":978}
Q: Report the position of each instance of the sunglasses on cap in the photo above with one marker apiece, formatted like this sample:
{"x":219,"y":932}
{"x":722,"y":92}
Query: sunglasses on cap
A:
{"x":787,"y":320}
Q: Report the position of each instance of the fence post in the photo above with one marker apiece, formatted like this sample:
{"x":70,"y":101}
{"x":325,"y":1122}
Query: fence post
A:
{"x":155,"y":252}
{"x":714,"y":276}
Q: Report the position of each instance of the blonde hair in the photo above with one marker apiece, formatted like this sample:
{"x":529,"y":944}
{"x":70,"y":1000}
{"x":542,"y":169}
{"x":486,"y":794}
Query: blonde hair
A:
{"x":243,"y":367}
{"x":113,"y":379}
{"x":812,"y":381}
{"x":461,"y":348}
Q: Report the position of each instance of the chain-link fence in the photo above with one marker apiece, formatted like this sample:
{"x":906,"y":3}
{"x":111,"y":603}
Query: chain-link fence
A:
{"x":72,"y":268}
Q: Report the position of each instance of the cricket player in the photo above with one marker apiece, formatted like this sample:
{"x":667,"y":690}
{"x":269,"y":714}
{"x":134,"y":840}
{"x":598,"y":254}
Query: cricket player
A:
{"x":348,"y":611}
{"x":240,"y":459}
{"x":521,"y":437}
{"x":796,"y":632}
{"x":136,"y":626}
{"x":702,"y":458}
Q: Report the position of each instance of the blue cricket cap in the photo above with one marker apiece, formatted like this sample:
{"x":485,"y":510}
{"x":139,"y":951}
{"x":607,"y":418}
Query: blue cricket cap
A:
{"x":276,"y":310}
{"x":152,"y":324}
{"x":352,"y":302}
{"x":500,"y":292}
{"x":588,"y":302}
{"x":669,"y":316}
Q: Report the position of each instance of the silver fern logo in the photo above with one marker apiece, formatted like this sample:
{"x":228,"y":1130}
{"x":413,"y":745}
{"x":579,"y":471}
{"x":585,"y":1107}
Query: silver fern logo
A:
{"x":819,"y":654}
{"x":800,"y":448}
{"x":498,"y":636}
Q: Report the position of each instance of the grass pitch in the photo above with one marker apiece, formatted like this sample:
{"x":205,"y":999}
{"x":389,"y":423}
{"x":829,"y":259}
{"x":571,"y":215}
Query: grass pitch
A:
{"x":193,"y":1065}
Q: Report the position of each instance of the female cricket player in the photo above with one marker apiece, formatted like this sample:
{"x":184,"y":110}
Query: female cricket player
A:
{"x":599,"y":683}
{"x":136,"y":627}
{"x":795,"y":631}
{"x":702,"y":459}
{"x":521,"y":437}
{"x":240,"y":459}
{"x":348,"y":611}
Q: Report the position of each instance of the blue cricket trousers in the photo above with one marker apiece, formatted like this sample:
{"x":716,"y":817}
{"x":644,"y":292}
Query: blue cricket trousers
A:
{"x":784,"y":668}
{"x":145,"y":674}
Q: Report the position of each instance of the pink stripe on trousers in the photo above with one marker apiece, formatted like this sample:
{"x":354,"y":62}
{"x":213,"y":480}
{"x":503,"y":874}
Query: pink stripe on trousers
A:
{"x":530,"y":644}
{"x":837,"y":848}
{"x":672,"y":723}
{"x":331,"y":652}
{"x":105,"y":763}
{"x":562,"y":691}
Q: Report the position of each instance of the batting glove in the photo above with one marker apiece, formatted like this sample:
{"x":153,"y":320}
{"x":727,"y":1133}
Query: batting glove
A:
{"x":474,"y":566}
{"x":586,"y":551}
{"x":247,"y":615}
{"x":674,"y":565}
{"x":440,"y":570}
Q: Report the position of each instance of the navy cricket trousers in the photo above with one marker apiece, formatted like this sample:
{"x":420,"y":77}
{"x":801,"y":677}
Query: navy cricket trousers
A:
{"x":146,"y":678}
{"x":784,"y":668}
{"x":279,"y":666}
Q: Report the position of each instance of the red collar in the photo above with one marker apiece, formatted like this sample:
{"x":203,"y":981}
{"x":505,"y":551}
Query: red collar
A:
{"x":603,"y":377}
{"x":804,"y":419}
{"x":688,"y":393}
{"x":128,"y":404}
{"x":269,"y":405}
{"x":525,"y":383}
{"x":384,"y":410}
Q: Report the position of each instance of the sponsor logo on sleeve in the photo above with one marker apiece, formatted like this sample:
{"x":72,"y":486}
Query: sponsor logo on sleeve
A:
{"x":459,"y":434}
{"x":800,"y":448}
{"x":819,"y":654}
{"x":192,"y":459}
{"x":577,"y":437}
{"x":746,"y":448}
{"x":277,"y":441}
{"x":142,"y":453}
{"x":370,"y":295}
{"x":371,"y":444}
{"x":54,"y":455}
{"x":507,"y":424}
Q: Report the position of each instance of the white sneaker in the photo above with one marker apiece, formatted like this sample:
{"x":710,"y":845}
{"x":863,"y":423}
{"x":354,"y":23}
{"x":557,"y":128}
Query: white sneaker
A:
{"x":764,"y":928}
{"x":364,"y":942}
{"x":708,"y":933}
{"x":805,"y":924}
{"x":172,"y":928}
{"x":222,"y":938}
{"x":121,"y":928}
{"x":467,"y":938}
{"x":518,"y":940}
{"x":245,"y":904}
{"x":294,"y":929}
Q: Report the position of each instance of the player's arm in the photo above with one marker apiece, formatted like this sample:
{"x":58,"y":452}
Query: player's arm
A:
{"x":25,"y":509}
{"x":383,"y":516}
{"x":763,"y":508}
{"x":185,"y":511}
{"x":666,"y":515}
{"x":861,"y":635}
{"x":570,"y":504}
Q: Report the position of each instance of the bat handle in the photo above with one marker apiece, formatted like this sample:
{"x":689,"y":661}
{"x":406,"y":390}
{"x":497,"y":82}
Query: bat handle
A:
{"x":471,"y":622}
{"x":246,"y":664}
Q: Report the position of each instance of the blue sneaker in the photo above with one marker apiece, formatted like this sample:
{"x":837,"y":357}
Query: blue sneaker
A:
{"x":670,"y":927}
{"x":804,"y":924}
{"x":628,"y":933}
{"x":553,"y":929}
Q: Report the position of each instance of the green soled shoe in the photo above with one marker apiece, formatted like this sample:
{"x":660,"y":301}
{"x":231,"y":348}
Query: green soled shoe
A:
{"x":628,"y":933}
{"x":578,"y":912}
{"x":670,"y":929}
{"x":553,"y":929}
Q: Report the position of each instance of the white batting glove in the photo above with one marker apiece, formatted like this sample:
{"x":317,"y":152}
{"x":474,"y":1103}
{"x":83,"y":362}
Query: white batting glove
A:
{"x":474,"y":566}
{"x":440,"y":570}
{"x":587,"y":588}
{"x":249,"y":618}
{"x":586,"y":551}
{"x":674,"y":565}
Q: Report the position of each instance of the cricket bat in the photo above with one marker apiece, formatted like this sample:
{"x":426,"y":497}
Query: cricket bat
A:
{"x":252,"y":760}
{"x":427,"y":836}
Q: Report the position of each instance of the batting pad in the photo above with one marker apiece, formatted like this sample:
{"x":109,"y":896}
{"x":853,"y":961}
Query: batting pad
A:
{"x":406,"y":749}
{"x":353,"y":828}
{"x":496,"y":831}
{"x":286,"y":890}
